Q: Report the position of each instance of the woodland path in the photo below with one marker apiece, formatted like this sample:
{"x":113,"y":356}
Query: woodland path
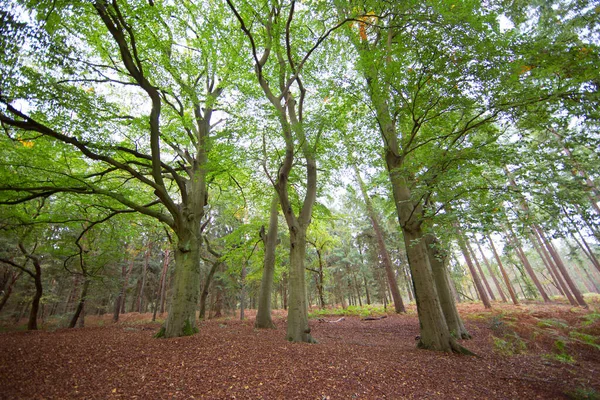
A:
{"x":229,"y":359}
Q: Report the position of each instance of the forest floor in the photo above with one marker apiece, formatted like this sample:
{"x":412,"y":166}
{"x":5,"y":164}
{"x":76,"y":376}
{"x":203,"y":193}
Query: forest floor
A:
{"x":524,"y":352}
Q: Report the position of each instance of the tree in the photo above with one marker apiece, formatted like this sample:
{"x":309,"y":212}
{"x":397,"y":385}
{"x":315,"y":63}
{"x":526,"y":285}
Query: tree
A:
{"x":85,"y":53}
{"x":280,"y":58}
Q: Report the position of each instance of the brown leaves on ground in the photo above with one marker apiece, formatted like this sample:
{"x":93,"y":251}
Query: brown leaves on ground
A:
{"x":354,"y":359}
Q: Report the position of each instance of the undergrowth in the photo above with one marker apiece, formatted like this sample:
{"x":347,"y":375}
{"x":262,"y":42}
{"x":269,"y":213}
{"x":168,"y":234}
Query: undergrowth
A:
{"x":583,"y":393}
{"x":364,"y":311}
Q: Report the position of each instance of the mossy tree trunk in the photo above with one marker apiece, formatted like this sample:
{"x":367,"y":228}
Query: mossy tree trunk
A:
{"x":438,"y":260}
{"x":269,"y":238}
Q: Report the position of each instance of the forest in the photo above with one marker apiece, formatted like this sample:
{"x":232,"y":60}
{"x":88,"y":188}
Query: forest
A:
{"x":299,"y":199}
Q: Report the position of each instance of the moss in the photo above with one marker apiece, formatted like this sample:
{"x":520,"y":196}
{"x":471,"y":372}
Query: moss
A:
{"x":189,"y":329}
{"x":161,"y":333}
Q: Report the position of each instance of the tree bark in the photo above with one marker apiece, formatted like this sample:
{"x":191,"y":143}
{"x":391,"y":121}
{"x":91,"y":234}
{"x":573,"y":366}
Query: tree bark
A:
{"x":160,"y":292}
{"x":80,"y":304}
{"x":206,"y":286}
{"x":140,"y":302}
{"x":438,"y":260}
{"x":552,"y":267}
{"x":559,"y":263}
{"x":15,"y":275}
{"x":521,"y":254}
{"x":383,"y":251}
{"x":480,"y":270}
{"x":263,"y":314}
{"x":509,"y":287}
{"x":489,"y":268}
{"x":35,"y":302}
{"x":478,"y":286}
{"x":367,"y":290}
{"x":126,"y":283}
{"x":181,"y":320}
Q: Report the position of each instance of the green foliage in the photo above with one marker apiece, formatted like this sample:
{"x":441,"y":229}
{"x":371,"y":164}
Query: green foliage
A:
{"x":357,"y":311}
{"x":591,"y":318}
{"x":583,"y":393}
{"x":590,"y":340}
{"x":560,"y":352}
{"x":510,"y":344}
{"x":553,"y":323}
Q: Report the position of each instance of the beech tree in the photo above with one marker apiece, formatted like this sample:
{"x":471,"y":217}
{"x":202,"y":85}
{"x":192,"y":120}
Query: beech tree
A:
{"x":87,"y":55}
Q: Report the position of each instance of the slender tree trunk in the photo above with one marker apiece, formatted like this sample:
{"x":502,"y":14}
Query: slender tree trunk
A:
{"x":263,"y":314}
{"x":39,"y":290}
{"x":140,"y":303}
{"x":160,"y":292}
{"x":466,"y":254}
{"x":489,"y":268}
{"x":206,"y":286}
{"x":480,"y":270}
{"x":126,"y":283}
{"x":367,"y":290}
{"x":589,"y":253}
{"x":552,"y":268}
{"x":81,"y":303}
{"x":165,"y":282}
{"x":383,"y":252}
{"x":559,"y":263}
{"x":243,"y":290}
{"x":558,"y":284}
{"x":15,"y":275}
{"x":523,"y":257}
{"x":505,"y":276}
{"x":284,"y":294}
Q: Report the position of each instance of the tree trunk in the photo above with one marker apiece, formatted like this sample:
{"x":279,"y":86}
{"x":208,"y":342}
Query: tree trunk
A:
{"x":263,"y":314}
{"x":35,"y":303}
{"x":505,"y":276}
{"x":15,"y":275}
{"x":585,"y":247}
{"x":243,"y":290}
{"x":478,"y":286}
{"x":480,"y":270}
{"x":284,"y":294}
{"x":435,"y":334}
{"x":140,"y":303}
{"x":165,"y":282}
{"x":552,"y":267}
{"x":161,"y":283}
{"x":205,"y":287}
{"x":489,"y":268}
{"x":181,"y":320}
{"x":126,"y":283}
{"x":559,"y":263}
{"x":521,"y":254}
{"x":383,"y":252}
{"x":437,"y":259}
{"x":297,"y":326}
{"x":367,"y":290}
{"x":558,"y":285}
{"x":80,"y":305}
